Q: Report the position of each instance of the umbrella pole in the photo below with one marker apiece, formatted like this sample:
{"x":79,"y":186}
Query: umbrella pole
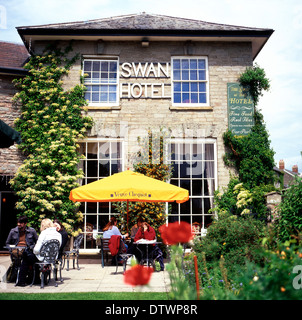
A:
{"x":127,"y":215}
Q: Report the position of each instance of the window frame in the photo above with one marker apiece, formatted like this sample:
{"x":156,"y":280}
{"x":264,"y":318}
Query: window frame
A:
{"x":206,"y":81}
{"x":116,"y":84}
{"x":193,"y":197}
{"x":99,"y":212}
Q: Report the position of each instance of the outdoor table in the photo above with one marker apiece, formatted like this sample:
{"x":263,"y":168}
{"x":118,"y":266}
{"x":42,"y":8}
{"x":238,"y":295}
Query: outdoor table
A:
{"x":146,"y":243}
{"x":17,"y":259}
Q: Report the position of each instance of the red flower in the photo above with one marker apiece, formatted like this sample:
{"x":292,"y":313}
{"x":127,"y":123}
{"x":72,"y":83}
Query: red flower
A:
{"x":138,"y":275}
{"x":175,"y":232}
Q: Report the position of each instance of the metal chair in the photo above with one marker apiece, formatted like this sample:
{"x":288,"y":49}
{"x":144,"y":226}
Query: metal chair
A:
{"x":121,"y":254}
{"x":49,"y":251}
{"x":74,"y":253}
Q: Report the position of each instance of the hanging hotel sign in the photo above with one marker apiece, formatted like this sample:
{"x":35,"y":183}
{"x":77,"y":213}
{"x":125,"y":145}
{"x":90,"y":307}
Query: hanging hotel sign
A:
{"x":152,"y":85}
{"x":240,"y":109}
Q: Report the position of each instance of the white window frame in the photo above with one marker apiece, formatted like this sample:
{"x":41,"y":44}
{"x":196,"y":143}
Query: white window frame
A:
{"x":98,"y":213}
{"x":202,"y":141}
{"x":105,"y":59}
{"x":206,"y":81}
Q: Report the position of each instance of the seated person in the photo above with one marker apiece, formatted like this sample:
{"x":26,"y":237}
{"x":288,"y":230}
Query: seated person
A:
{"x":111,"y":229}
{"x":148,"y":233}
{"x":48,"y":232}
{"x":22,"y":235}
{"x":132,"y":248}
{"x":136,"y":227}
{"x":60,"y":228}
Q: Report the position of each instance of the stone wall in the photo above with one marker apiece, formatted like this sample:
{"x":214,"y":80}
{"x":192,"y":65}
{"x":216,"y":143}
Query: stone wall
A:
{"x":10,"y":158}
{"x":133,"y":117}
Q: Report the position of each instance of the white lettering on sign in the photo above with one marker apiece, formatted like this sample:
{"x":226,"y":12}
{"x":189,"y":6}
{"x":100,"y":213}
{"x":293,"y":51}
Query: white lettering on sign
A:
{"x":149,"y":69}
{"x":144,"y":70}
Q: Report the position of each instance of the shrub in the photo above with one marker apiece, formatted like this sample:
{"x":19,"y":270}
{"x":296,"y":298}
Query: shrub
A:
{"x":235,"y":238}
{"x":290,"y":212}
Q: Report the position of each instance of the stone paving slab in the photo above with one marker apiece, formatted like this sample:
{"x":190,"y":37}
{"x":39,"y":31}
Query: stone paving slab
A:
{"x":90,"y":278}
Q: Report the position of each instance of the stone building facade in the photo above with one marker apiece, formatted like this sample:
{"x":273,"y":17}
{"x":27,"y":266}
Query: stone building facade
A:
{"x":151,"y":72}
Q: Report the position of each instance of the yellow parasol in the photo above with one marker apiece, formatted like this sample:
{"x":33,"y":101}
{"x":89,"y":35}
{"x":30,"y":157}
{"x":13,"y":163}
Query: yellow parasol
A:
{"x":129,"y":186}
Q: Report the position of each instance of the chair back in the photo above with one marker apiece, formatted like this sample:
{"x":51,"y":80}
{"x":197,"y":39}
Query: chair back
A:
{"x":78,"y":241}
{"x":105,"y":244}
{"x":50,"y":250}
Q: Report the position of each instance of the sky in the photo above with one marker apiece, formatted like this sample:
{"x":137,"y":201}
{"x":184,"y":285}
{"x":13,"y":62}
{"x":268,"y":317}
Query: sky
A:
{"x":281,"y":57}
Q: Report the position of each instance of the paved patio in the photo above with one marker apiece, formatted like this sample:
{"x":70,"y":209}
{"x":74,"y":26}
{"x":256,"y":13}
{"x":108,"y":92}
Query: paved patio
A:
{"x":90,"y":278}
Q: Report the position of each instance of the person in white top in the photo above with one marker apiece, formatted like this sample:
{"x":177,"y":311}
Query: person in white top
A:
{"x":48,"y":232}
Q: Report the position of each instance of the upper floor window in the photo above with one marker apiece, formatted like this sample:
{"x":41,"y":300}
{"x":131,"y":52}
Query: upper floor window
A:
{"x":190,"y":85}
{"x":101,"y":81}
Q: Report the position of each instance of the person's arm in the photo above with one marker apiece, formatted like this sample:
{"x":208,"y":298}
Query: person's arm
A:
{"x":9,"y":239}
{"x":39,"y":243}
{"x":151,"y":234}
{"x":116,"y":231}
{"x":138,"y":235}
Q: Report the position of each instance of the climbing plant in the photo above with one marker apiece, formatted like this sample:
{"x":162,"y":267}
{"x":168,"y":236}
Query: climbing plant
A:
{"x":251,"y":155}
{"x":150,"y":162}
{"x":52,"y":120}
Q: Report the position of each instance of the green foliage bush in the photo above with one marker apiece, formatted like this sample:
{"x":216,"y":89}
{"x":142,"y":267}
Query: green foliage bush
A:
{"x":235,"y":238}
{"x":51,"y":123}
{"x":289,"y":223}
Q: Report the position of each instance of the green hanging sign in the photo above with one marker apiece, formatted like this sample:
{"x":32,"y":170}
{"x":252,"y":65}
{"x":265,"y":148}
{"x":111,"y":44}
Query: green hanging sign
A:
{"x":240,"y":109}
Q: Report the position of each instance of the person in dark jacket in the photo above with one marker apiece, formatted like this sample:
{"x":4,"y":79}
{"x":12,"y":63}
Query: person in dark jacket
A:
{"x":22,"y":235}
{"x":60,"y":228}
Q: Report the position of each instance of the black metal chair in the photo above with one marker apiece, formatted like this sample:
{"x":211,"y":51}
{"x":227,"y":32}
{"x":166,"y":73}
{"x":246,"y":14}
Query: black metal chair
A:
{"x":49,"y":251}
{"x":74,"y":253}
{"x":120,"y":256}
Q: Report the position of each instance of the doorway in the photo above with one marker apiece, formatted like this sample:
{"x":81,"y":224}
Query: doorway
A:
{"x":8,"y":215}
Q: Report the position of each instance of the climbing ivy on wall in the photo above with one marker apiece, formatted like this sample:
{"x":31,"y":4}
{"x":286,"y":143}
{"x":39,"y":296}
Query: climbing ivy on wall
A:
{"x":52,"y":121}
{"x":251,"y":156}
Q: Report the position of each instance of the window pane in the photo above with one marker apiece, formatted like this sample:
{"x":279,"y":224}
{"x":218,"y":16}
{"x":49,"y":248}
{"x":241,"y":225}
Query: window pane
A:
{"x":176,"y":75}
{"x":112,"y":97}
{"x":96,"y":66}
{"x":185,"y":98}
{"x":193,"y":64}
{"x":176,"y":64}
{"x":95,"y":97}
{"x":104,"y":97}
{"x":202,"y":87}
{"x":193,"y":75}
{"x":185,"y":64}
{"x":202,"y":98}
{"x":185,"y":86}
{"x":209,"y":149}
{"x":177,"y":98}
{"x":201,"y":64}
{"x":194,"y":98}
{"x":87,"y":65}
{"x":177,"y":86}
{"x":185,"y":75}
{"x":194,"y":87}
{"x":104,"y":66}
{"x":113,"y":66}
{"x":202,"y":75}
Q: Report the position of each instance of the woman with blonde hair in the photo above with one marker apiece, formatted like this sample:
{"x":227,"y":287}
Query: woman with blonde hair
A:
{"x":48,"y":232}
